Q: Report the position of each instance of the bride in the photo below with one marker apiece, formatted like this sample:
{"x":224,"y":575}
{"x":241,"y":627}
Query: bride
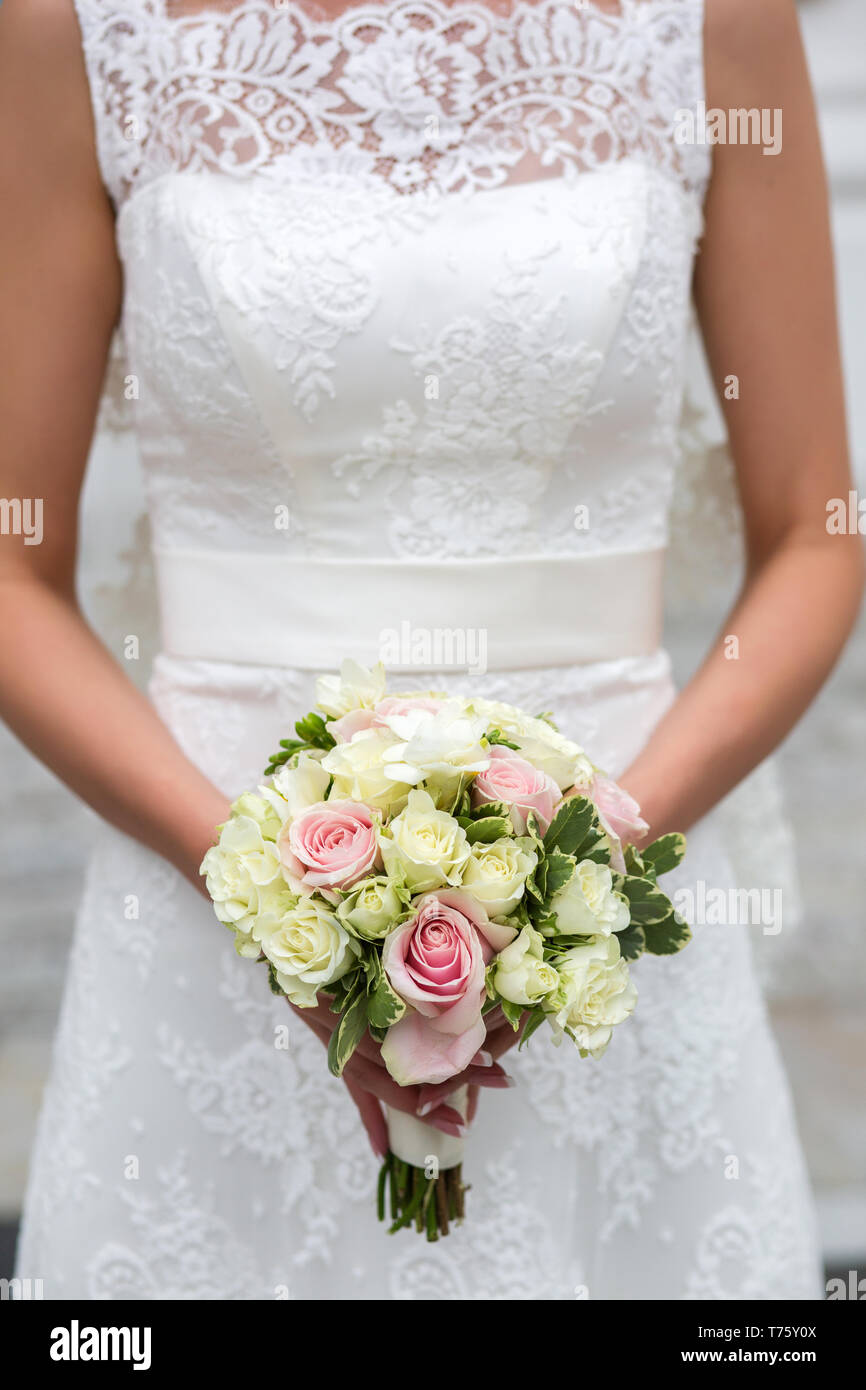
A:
{"x":404,"y":288}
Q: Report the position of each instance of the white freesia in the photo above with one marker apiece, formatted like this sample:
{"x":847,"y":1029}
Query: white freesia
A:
{"x":359,"y":771}
{"x":521,"y":974}
{"x":595,"y":993}
{"x":298,"y":787}
{"x":496,"y":874}
{"x":588,"y":905}
{"x":424,"y":846}
{"x":238,"y":869}
{"x":436,"y":748}
{"x":354,"y":688}
{"x":308,"y":948}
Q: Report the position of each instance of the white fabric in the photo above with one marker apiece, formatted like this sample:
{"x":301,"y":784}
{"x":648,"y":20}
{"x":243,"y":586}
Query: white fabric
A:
{"x":311,"y":614}
{"x":418,"y":280}
{"x":420,"y":1144}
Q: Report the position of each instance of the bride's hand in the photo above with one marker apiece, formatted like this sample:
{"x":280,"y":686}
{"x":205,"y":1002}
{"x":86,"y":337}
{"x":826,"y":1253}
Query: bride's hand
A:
{"x":501,"y":1037}
{"x":370,"y":1084}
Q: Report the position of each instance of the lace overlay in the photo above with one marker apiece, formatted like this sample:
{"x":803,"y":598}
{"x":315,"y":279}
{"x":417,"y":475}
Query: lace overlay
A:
{"x":411,"y":281}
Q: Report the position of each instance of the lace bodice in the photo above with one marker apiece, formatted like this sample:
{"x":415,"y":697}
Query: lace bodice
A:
{"x":411,"y":281}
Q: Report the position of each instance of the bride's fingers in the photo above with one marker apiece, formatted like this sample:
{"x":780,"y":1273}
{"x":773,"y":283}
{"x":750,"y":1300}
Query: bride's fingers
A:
{"x":471,"y":1104}
{"x":490,"y":1079}
{"x":372,"y":1117}
{"x":406,"y":1098}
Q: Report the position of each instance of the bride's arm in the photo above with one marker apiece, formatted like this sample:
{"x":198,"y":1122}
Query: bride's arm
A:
{"x":60,"y":691}
{"x":765,"y":295}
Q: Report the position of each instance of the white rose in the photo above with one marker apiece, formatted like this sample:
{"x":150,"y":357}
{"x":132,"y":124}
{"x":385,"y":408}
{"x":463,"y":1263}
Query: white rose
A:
{"x":359,"y":771}
{"x":424,"y":846}
{"x":372,"y":909}
{"x":521,"y":974}
{"x":595,"y":993}
{"x":260,"y":808}
{"x":238,"y":870}
{"x":354,"y":688}
{"x":299,"y":787}
{"x":587,"y":904}
{"x":308,"y":948}
{"x":496,"y":874}
{"x":436,"y":748}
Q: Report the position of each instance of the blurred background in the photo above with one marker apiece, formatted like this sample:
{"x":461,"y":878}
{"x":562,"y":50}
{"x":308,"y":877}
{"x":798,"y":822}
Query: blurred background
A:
{"x":815,"y":974}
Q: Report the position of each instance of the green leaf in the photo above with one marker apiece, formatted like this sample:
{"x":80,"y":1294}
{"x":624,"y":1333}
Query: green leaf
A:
{"x":635,"y":865}
{"x":536,"y":1018}
{"x":487,"y":830}
{"x":570,"y":825}
{"x":559,"y":870}
{"x":496,"y":736}
{"x":513,"y":1012}
{"x":490,"y":808}
{"x":669,"y":936}
{"x":348,"y":1032}
{"x":648,"y":903}
{"x":384,"y":1006}
{"x":632,"y":942}
{"x":276,"y":987}
{"x":312,"y":731}
{"x":665,"y":853}
{"x":594,"y":846}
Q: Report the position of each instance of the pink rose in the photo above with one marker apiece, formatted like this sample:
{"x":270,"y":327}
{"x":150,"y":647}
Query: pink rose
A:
{"x":521,"y":786}
{"x":402,"y":705}
{"x":436,"y":964}
{"x":619,"y":814}
{"x":331,"y":844}
{"x":345,"y":728}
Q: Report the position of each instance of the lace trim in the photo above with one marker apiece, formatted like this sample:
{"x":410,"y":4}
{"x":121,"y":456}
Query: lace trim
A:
{"x":420,"y":92}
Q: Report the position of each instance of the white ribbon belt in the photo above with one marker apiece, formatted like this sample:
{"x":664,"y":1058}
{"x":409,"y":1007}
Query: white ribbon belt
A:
{"x":474,"y":615}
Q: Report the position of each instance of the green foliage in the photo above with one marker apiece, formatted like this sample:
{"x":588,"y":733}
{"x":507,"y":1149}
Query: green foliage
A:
{"x":311,"y":732}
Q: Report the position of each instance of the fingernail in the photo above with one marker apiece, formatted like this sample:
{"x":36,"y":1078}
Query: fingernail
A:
{"x":425,"y":1109}
{"x":483,"y":1059}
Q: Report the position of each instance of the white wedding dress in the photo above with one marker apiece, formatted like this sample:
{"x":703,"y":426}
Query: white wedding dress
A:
{"x":405,"y":308}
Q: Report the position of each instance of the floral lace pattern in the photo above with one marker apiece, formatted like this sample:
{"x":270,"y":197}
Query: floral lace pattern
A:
{"x":419,"y":91}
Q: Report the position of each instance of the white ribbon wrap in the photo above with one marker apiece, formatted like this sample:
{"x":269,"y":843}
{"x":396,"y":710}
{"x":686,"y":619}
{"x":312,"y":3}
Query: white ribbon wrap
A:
{"x":421,"y":1145}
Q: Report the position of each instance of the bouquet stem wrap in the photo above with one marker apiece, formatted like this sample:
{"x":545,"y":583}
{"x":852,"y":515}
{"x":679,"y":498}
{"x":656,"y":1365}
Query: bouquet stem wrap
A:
{"x":421,"y":1179}
{"x":422,"y":1146}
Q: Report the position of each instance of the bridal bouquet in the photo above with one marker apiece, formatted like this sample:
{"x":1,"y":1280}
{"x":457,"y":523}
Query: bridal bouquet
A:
{"x":421,"y":860}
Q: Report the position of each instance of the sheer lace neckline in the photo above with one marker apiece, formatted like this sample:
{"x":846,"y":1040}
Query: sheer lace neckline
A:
{"x":426,"y":95}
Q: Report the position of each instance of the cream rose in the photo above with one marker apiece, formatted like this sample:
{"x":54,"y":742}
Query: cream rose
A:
{"x":424,"y":846}
{"x":521,"y":974}
{"x":595,"y":993}
{"x":308,"y":948}
{"x":373,"y":908}
{"x":296,"y":788}
{"x":588,"y":905}
{"x":238,"y":869}
{"x":496,"y":874}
